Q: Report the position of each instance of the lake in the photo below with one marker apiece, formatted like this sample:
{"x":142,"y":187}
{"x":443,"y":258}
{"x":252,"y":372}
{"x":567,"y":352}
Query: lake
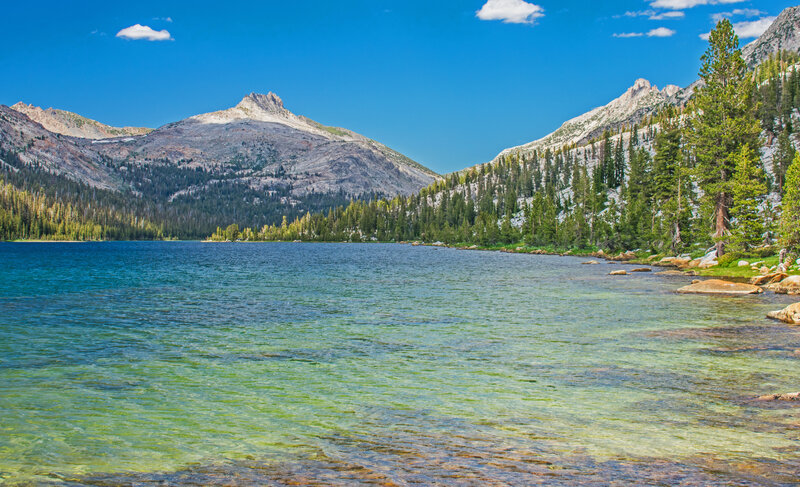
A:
{"x":154,"y":363}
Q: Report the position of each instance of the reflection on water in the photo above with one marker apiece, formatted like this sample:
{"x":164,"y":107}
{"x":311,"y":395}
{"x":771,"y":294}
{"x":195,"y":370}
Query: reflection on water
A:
{"x":185,"y":363}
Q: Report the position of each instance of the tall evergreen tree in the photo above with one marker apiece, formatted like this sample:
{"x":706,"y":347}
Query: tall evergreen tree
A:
{"x":748,"y":189}
{"x":724,"y":121}
{"x":790,"y":217}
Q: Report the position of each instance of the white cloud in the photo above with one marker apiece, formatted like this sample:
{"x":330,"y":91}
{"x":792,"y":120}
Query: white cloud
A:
{"x":137,"y":32}
{"x":748,"y":29}
{"x":638,"y":13}
{"x":743,"y":12}
{"x":654,"y":15}
{"x":753,"y":28}
{"x":661,"y":32}
{"x":510,"y":11}
{"x":672,"y":14}
{"x":684,"y":4}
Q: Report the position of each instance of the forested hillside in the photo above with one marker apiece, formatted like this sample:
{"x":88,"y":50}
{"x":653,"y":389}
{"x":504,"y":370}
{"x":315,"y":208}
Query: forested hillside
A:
{"x":713,"y":173}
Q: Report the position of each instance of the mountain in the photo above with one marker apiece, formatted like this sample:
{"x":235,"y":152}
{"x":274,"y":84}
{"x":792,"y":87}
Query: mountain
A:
{"x":39,"y":149}
{"x":782,"y":35}
{"x":644,"y":99}
{"x":251,"y":164}
{"x":639,"y":101}
{"x":68,"y":123}
{"x":260,"y":143}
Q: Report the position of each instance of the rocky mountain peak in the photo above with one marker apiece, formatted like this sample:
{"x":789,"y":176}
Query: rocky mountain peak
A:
{"x":270,"y":102}
{"x":782,"y":35}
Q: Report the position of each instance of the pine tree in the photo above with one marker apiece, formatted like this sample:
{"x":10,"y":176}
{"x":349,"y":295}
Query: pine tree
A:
{"x":723,"y":122}
{"x":748,"y":189}
{"x":783,"y":157}
{"x":790,"y":217}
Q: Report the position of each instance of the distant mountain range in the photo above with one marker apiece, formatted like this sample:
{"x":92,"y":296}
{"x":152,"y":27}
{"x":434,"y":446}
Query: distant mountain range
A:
{"x":252,"y":163}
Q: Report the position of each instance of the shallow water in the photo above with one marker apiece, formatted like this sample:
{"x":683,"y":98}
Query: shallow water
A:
{"x":190,"y":363}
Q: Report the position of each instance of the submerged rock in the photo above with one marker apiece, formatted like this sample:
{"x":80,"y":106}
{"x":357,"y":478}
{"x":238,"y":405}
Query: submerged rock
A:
{"x":590,"y":262}
{"x":792,"y":396}
{"x":642,"y":269}
{"x":789,"y":314}
{"x":618,"y":273}
{"x":718,"y":286}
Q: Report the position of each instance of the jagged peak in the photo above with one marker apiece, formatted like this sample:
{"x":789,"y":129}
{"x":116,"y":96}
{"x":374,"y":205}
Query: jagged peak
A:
{"x":641,"y":84}
{"x":270,"y":102}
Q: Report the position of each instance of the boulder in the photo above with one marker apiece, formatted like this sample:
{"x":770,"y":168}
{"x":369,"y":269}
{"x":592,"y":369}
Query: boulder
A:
{"x":694,"y":263}
{"x":792,"y":396}
{"x":666,"y":261}
{"x":772,"y":278}
{"x":764,"y":270}
{"x":618,"y":273}
{"x":790,"y":285}
{"x":681,"y":262}
{"x":743,"y":263}
{"x":670,"y":273}
{"x":708,"y":260}
{"x":789,"y":314}
{"x":642,"y":269}
{"x":625,"y":256}
{"x":718,"y":286}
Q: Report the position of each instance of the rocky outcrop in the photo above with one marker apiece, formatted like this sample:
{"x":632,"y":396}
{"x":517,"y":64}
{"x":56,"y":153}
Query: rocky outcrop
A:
{"x":790,"y":285}
{"x":718,"y":286}
{"x":790,"y":314}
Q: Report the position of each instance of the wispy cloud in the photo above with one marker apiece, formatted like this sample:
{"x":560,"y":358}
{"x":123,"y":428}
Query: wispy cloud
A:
{"x":510,"y":11}
{"x":748,"y":29}
{"x":653,"y":14}
{"x":739,"y":12}
{"x":659,"y":32}
{"x":672,"y":14}
{"x":684,"y":4}
{"x":163,"y":19}
{"x":144,"y":32}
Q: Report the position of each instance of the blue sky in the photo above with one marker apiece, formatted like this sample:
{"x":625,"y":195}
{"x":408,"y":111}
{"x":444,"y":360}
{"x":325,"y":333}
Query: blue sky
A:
{"x":450,"y":83}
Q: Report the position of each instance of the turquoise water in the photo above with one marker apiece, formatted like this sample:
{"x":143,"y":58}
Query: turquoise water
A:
{"x":191,"y":363}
